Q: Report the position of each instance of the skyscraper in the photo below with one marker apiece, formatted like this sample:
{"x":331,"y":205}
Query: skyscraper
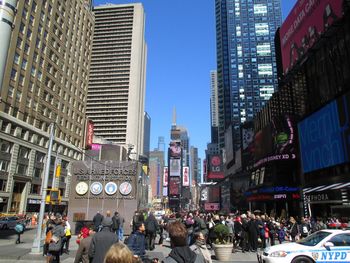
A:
{"x":116,"y":92}
{"x":246,"y":64}
{"x":195,"y":161}
{"x":214,"y":109}
{"x":45,"y":81}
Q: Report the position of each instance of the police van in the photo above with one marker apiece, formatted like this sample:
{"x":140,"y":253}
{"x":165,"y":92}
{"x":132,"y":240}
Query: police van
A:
{"x":322,"y":246}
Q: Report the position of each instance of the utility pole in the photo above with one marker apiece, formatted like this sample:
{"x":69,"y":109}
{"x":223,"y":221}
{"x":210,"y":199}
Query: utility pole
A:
{"x":37,"y":243}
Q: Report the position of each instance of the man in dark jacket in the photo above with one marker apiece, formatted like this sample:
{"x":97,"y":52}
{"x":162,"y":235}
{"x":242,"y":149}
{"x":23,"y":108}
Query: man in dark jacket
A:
{"x":136,"y":241}
{"x":97,"y":221}
{"x":181,"y":252}
{"x":151,"y":225}
{"x":116,"y":223}
{"x":102,"y":241}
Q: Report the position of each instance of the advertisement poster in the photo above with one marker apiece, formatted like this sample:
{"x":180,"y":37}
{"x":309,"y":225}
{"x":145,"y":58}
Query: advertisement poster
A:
{"x":185,"y":176}
{"x":174,"y":185}
{"x":165,"y":176}
{"x":304,"y":25}
{"x":212,"y":206}
{"x":175,"y":150}
{"x":215,"y":168}
{"x":175,"y":167}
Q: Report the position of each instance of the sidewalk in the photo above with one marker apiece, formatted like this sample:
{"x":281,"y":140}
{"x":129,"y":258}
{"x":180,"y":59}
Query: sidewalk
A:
{"x":10,"y":253}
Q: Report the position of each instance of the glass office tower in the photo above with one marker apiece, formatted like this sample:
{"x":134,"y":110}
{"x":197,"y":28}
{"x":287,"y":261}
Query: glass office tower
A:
{"x":246,"y":64}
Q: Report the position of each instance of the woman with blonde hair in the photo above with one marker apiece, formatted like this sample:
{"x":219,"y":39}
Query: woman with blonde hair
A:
{"x":119,"y":253}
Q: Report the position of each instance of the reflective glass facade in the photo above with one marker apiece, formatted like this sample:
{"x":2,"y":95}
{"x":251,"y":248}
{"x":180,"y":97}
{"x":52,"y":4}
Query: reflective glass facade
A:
{"x":247,"y":73}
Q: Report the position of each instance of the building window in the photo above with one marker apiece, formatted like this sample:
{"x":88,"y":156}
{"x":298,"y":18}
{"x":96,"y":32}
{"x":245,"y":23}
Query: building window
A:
{"x":13,"y":74}
{"x":265,"y":69}
{"x":260,"y":9}
{"x":5,"y":146}
{"x":24,"y":64}
{"x":3,"y":185}
{"x":35,"y":188}
{"x":21,"y":169}
{"x":261,"y":29}
{"x":16,"y":59}
{"x":23,"y":152}
{"x":10,"y":92}
{"x":263,"y":49}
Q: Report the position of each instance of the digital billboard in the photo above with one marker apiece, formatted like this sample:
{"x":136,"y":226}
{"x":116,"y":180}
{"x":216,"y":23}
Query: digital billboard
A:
{"x":276,"y":141}
{"x":324,"y":136}
{"x":175,"y":167}
{"x":174,"y":186}
{"x":186,"y":176}
{"x":165,"y":176}
{"x":89,"y":134}
{"x":215,"y":167}
{"x":307,"y":21}
{"x":175,"y":150}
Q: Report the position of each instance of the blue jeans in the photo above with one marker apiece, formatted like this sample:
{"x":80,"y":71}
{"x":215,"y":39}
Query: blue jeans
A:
{"x":120,"y":233}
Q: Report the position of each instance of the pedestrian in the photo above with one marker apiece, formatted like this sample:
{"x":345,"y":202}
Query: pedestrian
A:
{"x":19,"y":228}
{"x":136,"y":241}
{"x":82,"y":255}
{"x":253,"y":233}
{"x":152,"y":226}
{"x":68,"y":235}
{"x":200,"y":247}
{"x":181,"y":252}
{"x":293,"y":228}
{"x":121,"y":227}
{"x":119,"y":253}
{"x":116,"y":223}
{"x":102,"y":241}
{"x":97,"y":221}
{"x":55,"y":245}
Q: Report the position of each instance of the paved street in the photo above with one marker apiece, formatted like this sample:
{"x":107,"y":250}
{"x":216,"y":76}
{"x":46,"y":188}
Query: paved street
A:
{"x":9,"y":252}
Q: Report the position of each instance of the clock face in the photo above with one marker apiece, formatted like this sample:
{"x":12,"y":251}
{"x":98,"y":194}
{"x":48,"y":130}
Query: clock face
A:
{"x":96,"y":188}
{"x":111,"y":188}
{"x":125,"y":188}
{"x":81,"y":188}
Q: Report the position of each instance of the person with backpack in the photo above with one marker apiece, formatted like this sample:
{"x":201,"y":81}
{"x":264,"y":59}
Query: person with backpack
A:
{"x":304,"y":228}
{"x":19,"y":228}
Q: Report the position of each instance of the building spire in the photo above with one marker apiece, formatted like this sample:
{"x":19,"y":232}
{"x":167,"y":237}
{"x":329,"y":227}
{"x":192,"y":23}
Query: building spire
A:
{"x":174,"y":117}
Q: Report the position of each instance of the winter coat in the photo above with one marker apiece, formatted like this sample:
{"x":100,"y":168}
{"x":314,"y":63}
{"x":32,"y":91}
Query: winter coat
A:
{"x":97,"y":220}
{"x":151,"y":224}
{"x":100,"y":244}
{"x":83,"y":250}
{"x":136,"y":243}
{"x":183,"y":255}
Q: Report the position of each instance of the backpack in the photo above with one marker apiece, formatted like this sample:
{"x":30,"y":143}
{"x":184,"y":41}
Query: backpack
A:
{"x":116,"y":223}
{"x":19,"y":228}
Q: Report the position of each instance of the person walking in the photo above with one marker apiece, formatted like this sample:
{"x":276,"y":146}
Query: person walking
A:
{"x":152,"y":226}
{"x":253,"y":233}
{"x":19,"y":228}
{"x":181,"y":252}
{"x":136,"y":241}
{"x":68,"y":235}
{"x":102,"y":241}
{"x":116,"y":223}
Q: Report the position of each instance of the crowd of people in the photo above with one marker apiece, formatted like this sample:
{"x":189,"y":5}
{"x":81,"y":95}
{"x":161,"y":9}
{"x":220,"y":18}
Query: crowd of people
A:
{"x":191,"y":235}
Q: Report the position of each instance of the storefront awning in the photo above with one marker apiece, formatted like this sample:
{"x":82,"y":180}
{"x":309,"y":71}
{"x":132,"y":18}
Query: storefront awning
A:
{"x":321,"y":188}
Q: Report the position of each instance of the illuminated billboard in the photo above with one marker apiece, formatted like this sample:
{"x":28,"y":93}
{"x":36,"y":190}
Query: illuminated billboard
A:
{"x":307,"y":21}
{"x":165,"y":176}
{"x":325,"y":136}
{"x":175,"y":150}
{"x":89,"y":134}
{"x":215,"y":167}
{"x":175,"y":167}
{"x":174,"y":186}
{"x":186,"y":176}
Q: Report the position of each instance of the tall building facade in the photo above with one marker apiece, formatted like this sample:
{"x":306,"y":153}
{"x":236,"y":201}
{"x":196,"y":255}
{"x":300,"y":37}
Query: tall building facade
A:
{"x":246,"y":64}
{"x":156,"y":168}
{"x":116,"y":95}
{"x":147,"y":135}
{"x":45,"y":81}
{"x":195,"y":161}
{"x":214,"y":109}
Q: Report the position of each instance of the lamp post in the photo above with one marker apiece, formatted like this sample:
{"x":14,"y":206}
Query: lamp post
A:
{"x":37,"y":241}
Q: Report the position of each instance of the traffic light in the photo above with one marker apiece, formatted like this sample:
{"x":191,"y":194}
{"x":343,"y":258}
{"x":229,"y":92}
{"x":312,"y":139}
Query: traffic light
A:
{"x":53,"y":196}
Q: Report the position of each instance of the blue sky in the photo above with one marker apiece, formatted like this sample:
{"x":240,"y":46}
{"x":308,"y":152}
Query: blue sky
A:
{"x":180,"y":36}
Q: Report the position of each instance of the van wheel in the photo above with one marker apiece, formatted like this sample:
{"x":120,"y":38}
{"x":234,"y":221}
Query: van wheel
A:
{"x":302,"y":260}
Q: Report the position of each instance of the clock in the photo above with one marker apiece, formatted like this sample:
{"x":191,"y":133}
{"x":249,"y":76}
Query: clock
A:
{"x":96,"y":188}
{"x":111,"y":188}
{"x":125,"y":188}
{"x":81,"y":188}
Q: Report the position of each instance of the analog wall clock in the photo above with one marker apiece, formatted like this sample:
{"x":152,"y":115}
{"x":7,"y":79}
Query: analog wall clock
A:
{"x":81,"y":188}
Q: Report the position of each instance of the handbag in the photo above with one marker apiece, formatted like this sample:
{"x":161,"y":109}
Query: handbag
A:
{"x":55,"y":244}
